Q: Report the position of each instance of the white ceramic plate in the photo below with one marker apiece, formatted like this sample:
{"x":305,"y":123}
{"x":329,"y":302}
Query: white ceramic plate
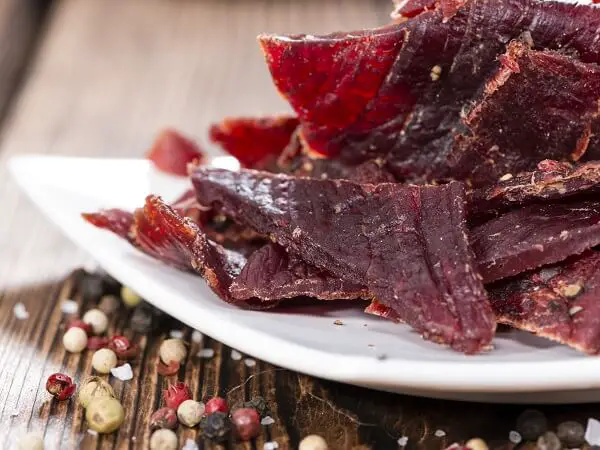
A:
{"x":522,"y":368}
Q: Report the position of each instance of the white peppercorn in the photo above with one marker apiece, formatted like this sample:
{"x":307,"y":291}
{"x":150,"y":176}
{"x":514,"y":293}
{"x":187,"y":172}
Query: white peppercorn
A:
{"x":476,"y":444}
{"x":91,"y":388}
{"x":75,"y":340}
{"x":30,"y":441}
{"x":163,"y":439}
{"x":313,"y":442}
{"x":104,"y":360}
{"x":172,"y":350}
{"x":104,"y":414}
{"x":130,"y":297}
{"x":190,"y":412}
{"x":97,"y":319}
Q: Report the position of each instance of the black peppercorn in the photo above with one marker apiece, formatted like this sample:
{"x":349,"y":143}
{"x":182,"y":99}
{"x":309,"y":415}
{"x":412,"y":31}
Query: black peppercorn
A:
{"x":571,"y":433}
{"x":260,"y":405}
{"x":215,"y":426}
{"x":91,"y":287}
{"x":531,"y":424}
{"x":142,"y":320}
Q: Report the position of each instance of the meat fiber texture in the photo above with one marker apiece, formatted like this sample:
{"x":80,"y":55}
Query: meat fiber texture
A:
{"x":400,"y":92}
{"x":406,"y":244}
{"x":557,"y":302}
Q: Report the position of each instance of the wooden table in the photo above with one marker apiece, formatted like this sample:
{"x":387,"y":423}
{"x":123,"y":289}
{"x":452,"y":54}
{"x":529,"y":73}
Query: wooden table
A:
{"x":100,"y":77}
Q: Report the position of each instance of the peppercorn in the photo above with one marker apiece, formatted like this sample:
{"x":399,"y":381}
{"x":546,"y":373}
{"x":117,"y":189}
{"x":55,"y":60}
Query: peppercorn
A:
{"x":80,"y":324}
{"x":215,"y":426}
{"x":571,"y":434}
{"x":549,"y":441}
{"x":216,"y":404}
{"x":108,"y":304}
{"x":97,"y":342}
{"x":190,"y":412}
{"x":93,"y":387}
{"x":176,"y":394}
{"x":260,"y":405}
{"x":75,"y":340}
{"x":111,"y":285}
{"x":91,"y":287}
{"x":143,"y":319}
{"x":163,"y":418}
{"x":172,"y":350}
{"x":104,"y":414}
{"x":313,"y":442}
{"x":60,"y":386}
{"x":476,"y":444}
{"x":97,"y":319}
{"x":246,"y":423}
{"x":531,"y":424}
{"x":130,"y":297}
{"x":168,"y":370}
{"x":30,"y":441}
{"x":104,"y":360}
{"x":163,"y":440}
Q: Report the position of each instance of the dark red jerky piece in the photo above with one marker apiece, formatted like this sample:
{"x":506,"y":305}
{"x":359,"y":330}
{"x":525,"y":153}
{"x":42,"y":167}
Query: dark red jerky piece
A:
{"x":271,"y":274}
{"x":171,"y":152}
{"x":558,"y":302}
{"x":534,"y":236}
{"x":550,"y":181}
{"x":115,"y":220}
{"x":369,"y":172}
{"x":537,"y":105}
{"x":406,"y":9}
{"x":407,"y":244}
{"x":429,"y":68}
{"x":255,"y":142}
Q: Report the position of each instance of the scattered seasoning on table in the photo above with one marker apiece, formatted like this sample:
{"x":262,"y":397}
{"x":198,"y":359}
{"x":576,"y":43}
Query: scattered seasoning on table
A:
{"x":92,"y":432}
{"x":439,"y":433}
{"x":69,"y":306}
{"x":476,"y":444}
{"x":235,"y":355}
{"x":514,"y":437}
{"x":104,"y":414}
{"x":197,"y":337}
{"x":60,"y":386}
{"x":216,"y":404}
{"x":163,"y":418}
{"x":176,"y":334}
{"x":381,"y":356}
{"x":531,"y":424}
{"x":163,"y":439}
{"x":75,"y":340}
{"x":246,"y":423}
{"x":123,"y":373}
{"x":267,"y":420}
{"x":20,"y":311}
{"x":249,"y":362}
{"x":206,"y":353}
{"x":190,"y":412}
{"x":97,"y":319}
{"x":215,"y":426}
{"x":271,"y":445}
{"x":338,"y":322}
{"x":176,"y":394}
{"x":14,"y":413}
{"x":313,"y":442}
{"x":130,"y":298}
{"x":402,"y":441}
{"x":592,"y":432}
{"x":30,"y":441}
{"x":571,"y":433}
{"x":108,"y":304}
{"x":104,"y":360}
{"x":549,"y":441}
{"x":190,"y":445}
{"x":172,"y":350}
{"x":91,"y":388}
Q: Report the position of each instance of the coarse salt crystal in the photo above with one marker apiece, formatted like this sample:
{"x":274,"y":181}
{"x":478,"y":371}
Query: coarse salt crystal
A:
{"x":235,"y":355}
{"x":439,"y":433}
{"x":190,"y":445}
{"x":176,"y":334}
{"x":250,"y":362}
{"x":15,"y":413}
{"x":123,"y":372}
{"x":271,"y":445}
{"x":514,"y":437}
{"x":403,"y":441}
{"x":592,"y":432}
{"x":267,"y":420}
{"x":206,"y":353}
{"x":92,"y":432}
{"x":20,"y":311}
{"x":197,"y":336}
{"x":69,"y":307}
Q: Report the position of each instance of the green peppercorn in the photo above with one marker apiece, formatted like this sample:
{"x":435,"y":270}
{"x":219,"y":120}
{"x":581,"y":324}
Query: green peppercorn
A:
{"x":130,"y":297}
{"x":104,"y":414}
{"x":260,"y":405}
{"x":215,"y":426}
{"x":93,"y":387}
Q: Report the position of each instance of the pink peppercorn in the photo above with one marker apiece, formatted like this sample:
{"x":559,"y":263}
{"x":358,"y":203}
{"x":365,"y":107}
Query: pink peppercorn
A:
{"x":60,"y":386}
{"x":78,"y":323}
{"x":246,"y":423}
{"x":216,"y":404}
{"x":176,"y":394}
{"x":97,"y":342}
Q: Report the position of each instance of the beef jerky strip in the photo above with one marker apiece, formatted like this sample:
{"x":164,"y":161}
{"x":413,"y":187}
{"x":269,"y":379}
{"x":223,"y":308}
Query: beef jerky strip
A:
{"x":550,"y":181}
{"x":116,"y":220}
{"x":534,"y":236}
{"x":537,"y":105}
{"x":171,"y":152}
{"x":560,"y":302}
{"x":398,"y":92}
{"x":406,"y":244}
{"x":256,"y":142}
{"x":272,"y":273}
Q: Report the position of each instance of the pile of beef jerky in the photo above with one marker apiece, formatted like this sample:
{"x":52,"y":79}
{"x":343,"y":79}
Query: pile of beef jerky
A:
{"x":443,"y":167}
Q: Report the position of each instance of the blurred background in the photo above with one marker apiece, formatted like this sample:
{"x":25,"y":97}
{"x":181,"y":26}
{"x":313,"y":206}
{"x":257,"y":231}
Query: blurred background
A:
{"x":102,"y":77}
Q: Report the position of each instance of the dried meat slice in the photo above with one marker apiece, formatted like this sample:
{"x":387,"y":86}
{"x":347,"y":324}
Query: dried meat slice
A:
{"x":369,"y":172}
{"x":271,"y":273}
{"x":537,"y":105}
{"x":533,"y":236}
{"x":171,"y":152}
{"x":560,"y":302}
{"x":398,"y":92}
{"x":116,"y":220}
{"x":256,"y":142}
{"x":550,"y":181}
{"x":406,"y":244}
